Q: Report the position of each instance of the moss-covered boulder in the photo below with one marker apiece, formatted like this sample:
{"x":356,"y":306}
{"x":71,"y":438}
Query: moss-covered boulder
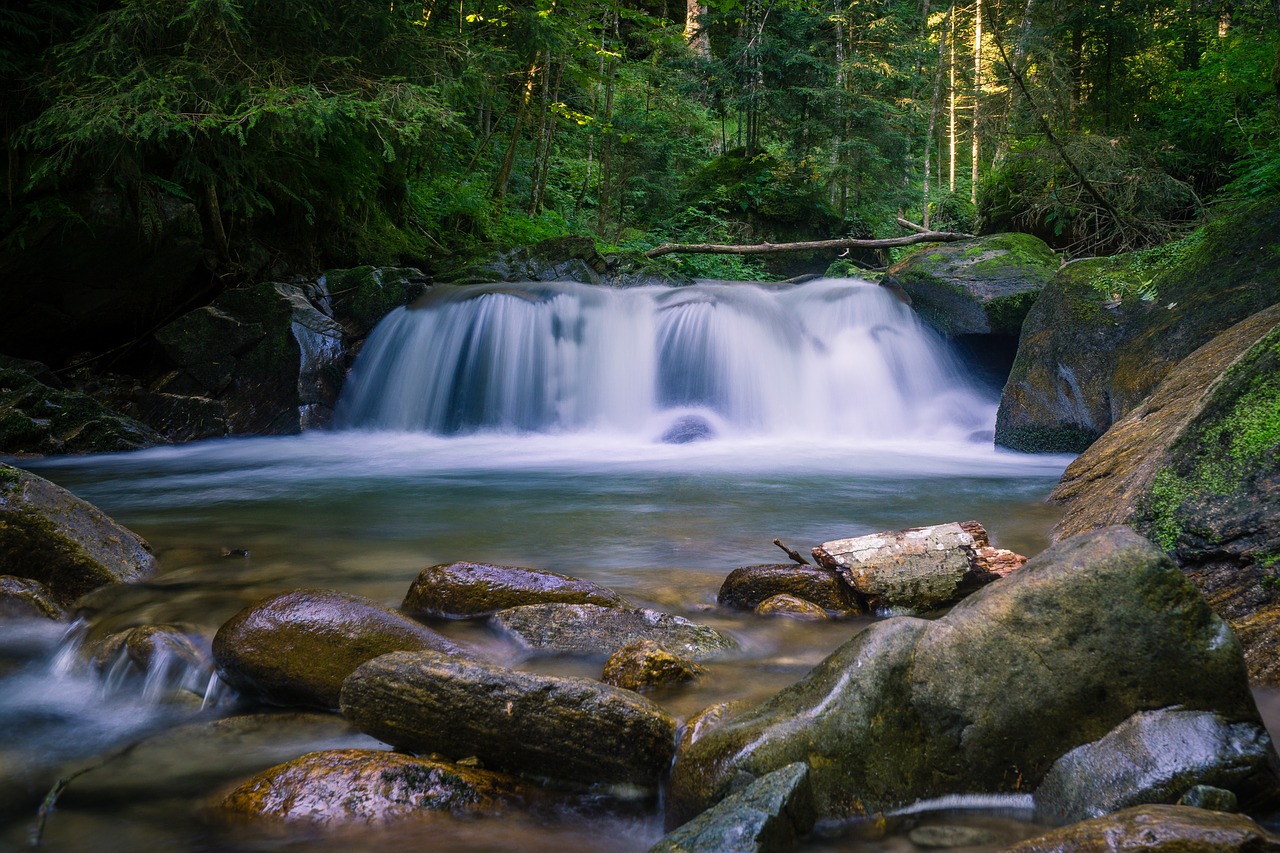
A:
{"x":363,"y":786}
{"x":983,"y":286}
{"x":1156,"y":829}
{"x":362,"y":296}
{"x":467,"y":590}
{"x":573,"y":258}
{"x":644,"y":665}
{"x":1197,"y":468}
{"x":23,"y":598}
{"x":591,"y":629}
{"x":39,"y":416}
{"x":985,"y":699}
{"x":571,"y":729}
{"x":296,"y":648}
{"x":1107,"y":331}
{"x":747,"y":586}
{"x":72,"y":547}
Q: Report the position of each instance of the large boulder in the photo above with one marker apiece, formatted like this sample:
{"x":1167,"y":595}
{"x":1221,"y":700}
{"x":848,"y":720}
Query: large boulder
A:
{"x":1197,"y":468}
{"x":986,"y":698}
{"x":1085,"y":360}
{"x":296,"y":648}
{"x":365,"y":786}
{"x":1156,"y":829}
{"x":72,"y":547}
{"x":983,"y":286}
{"x":570,"y":729}
{"x":593,"y":629}
{"x":467,"y":590}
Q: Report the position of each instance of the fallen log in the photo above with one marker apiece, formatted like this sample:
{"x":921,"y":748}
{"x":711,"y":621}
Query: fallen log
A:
{"x":806,"y":246}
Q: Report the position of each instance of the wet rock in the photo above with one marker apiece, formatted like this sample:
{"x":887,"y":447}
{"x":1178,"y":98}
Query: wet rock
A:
{"x":49,"y":535}
{"x":1082,"y":365}
{"x":1197,"y":468}
{"x":747,"y":586}
{"x":982,"y":286}
{"x":167,"y":656}
{"x":572,"y":258}
{"x":771,"y":814}
{"x":644,"y":664}
{"x":788,"y":605}
{"x":364,"y":786}
{"x":465,"y":590}
{"x":946,"y":836}
{"x":916,"y":570}
{"x":26,"y":598}
{"x":986,"y":698}
{"x":592,"y":629}
{"x":362,"y":296}
{"x":296,"y":648}
{"x":687,"y":430}
{"x":1156,"y":828}
{"x":571,"y":729}
{"x":1153,"y":757}
{"x":1209,"y":797}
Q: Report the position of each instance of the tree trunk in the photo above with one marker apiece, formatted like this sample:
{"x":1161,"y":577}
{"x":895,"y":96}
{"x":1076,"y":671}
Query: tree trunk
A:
{"x":951,"y":123}
{"x":695,"y":35}
{"x":509,"y":159}
{"x":1012,"y":100}
{"x":806,"y":246}
{"x":935,"y":107}
{"x":977,"y":92}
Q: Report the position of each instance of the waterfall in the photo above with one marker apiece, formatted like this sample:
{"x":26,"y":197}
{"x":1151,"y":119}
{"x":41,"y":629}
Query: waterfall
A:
{"x":832,"y":357}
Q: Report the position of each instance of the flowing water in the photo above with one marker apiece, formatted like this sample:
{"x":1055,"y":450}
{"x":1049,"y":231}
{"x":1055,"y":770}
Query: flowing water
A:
{"x":649,"y":439}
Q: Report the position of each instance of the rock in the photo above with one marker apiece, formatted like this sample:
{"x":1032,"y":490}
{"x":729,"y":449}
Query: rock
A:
{"x":984,"y":700}
{"x":747,"y":586}
{"x":25,"y":598}
{"x":1197,"y":468}
{"x":365,"y":786}
{"x":36,"y":418}
{"x":788,"y":605}
{"x":946,"y":836}
{"x":592,"y":629}
{"x":1209,"y":797}
{"x":771,"y":814}
{"x":296,"y":648}
{"x":1156,"y":828}
{"x":976,"y":287}
{"x":688,"y":429}
{"x":557,"y":259}
{"x":644,"y":664}
{"x":166,"y":656}
{"x":1153,"y":757}
{"x":1081,"y":366}
{"x":362,"y":296}
{"x":467,"y":590}
{"x":916,"y":570}
{"x":571,"y":729}
{"x":49,"y":535}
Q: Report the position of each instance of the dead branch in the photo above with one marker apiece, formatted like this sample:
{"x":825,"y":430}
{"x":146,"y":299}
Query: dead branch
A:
{"x":806,"y":246}
{"x":794,"y":555}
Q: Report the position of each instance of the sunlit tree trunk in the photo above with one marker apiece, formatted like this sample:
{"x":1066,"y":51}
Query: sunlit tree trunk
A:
{"x":935,"y":107}
{"x":1014,"y":99}
{"x":694,"y":33}
{"x":509,"y":159}
{"x":951,"y":110}
{"x":977,"y":93}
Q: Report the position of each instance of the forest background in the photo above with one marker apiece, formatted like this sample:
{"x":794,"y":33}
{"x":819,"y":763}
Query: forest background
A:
{"x":314,"y":134}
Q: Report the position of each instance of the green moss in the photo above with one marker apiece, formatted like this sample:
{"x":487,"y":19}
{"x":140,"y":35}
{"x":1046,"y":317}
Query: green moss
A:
{"x":1061,"y":438}
{"x":1006,"y":313}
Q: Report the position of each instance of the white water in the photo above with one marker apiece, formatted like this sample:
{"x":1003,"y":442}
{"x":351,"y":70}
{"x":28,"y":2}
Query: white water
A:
{"x":833,"y":358}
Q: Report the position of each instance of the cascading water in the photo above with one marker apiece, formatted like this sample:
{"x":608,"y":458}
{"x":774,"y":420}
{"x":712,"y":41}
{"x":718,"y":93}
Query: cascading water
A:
{"x":833,"y":357}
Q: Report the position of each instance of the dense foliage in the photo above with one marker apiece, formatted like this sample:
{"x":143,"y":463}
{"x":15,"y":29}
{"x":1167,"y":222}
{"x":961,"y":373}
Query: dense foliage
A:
{"x":320,"y":132}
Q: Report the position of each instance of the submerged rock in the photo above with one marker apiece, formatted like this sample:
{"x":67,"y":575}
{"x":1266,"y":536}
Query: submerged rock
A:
{"x":986,"y":698}
{"x":768,"y":816}
{"x":466,"y":590}
{"x":1154,"y":757}
{"x":592,"y":629}
{"x":644,"y":664}
{"x":296,"y":648}
{"x":25,"y":598}
{"x":171,"y":656}
{"x":571,"y":729}
{"x":746,"y":587}
{"x":788,"y":605}
{"x":49,"y":535}
{"x":1158,"y":829}
{"x":687,"y":430}
{"x":364,"y":786}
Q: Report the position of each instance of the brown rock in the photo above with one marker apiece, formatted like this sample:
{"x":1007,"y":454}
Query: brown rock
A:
{"x":467,"y":590}
{"x":747,"y":586}
{"x":644,"y":664}
{"x":23,"y":597}
{"x":1169,"y":829}
{"x":790,"y":605}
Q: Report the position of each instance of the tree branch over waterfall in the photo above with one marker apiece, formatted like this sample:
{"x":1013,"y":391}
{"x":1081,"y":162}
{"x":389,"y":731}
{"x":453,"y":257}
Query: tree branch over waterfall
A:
{"x":922,"y":236}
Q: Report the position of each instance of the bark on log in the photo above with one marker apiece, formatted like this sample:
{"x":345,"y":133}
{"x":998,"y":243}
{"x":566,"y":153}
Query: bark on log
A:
{"x":806,"y":246}
{"x":919,"y":569}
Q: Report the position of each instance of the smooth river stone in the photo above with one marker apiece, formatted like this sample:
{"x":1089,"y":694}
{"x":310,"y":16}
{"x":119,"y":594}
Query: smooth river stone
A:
{"x":591,"y":629}
{"x":466,"y":590}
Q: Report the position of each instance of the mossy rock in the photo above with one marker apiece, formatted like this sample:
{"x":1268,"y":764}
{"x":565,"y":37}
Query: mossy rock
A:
{"x":467,"y":590}
{"x":1156,"y":829}
{"x":1086,"y":359}
{"x":644,"y":665}
{"x":36,"y":418}
{"x":572,"y":258}
{"x":747,"y":586}
{"x":364,"y":295}
{"x":983,"y":286}
{"x":26,"y":598}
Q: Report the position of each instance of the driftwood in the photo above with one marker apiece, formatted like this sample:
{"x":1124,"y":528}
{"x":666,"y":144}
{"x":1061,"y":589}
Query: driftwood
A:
{"x":921,"y":236}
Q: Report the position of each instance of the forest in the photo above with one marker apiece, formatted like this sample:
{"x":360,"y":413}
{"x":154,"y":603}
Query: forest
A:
{"x":317,"y":134}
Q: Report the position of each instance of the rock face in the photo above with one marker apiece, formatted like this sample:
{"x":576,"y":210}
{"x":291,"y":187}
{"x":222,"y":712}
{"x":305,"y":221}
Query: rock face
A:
{"x":592,"y":629}
{"x":556,"y":259}
{"x":1197,"y":468}
{"x":1158,"y":829}
{"x":644,"y":664}
{"x":1081,"y":365}
{"x":976,"y":287}
{"x":771,"y":814}
{"x":362,"y":786}
{"x":297,"y":647}
{"x":916,"y":570}
{"x":49,"y":535}
{"x":985,"y":699}
{"x":747,"y":586}
{"x":1153,"y":757}
{"x":571,"y":729}
{"x":468,"y":590}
